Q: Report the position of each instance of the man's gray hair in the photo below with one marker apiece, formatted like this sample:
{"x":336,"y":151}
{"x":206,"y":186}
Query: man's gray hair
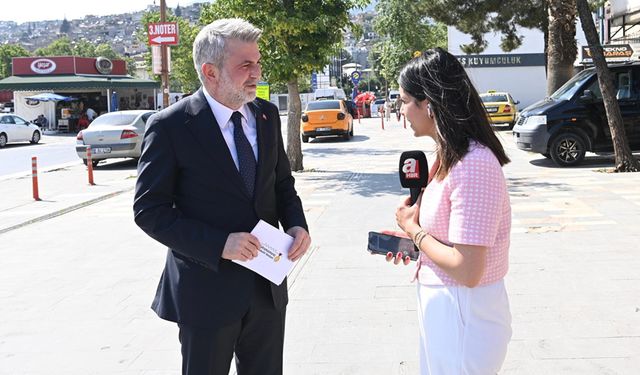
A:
{"x":209,"y":45}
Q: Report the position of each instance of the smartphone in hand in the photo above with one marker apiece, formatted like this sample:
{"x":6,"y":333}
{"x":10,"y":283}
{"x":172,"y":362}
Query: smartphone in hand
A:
{"x":380,"y":243}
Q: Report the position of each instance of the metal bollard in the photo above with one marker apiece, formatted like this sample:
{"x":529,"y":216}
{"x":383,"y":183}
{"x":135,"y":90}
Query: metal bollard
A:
{"x":34,"y":177}
{"x":382,"y":119}
{"x":404,"y":121}
{"x":90,"y":165}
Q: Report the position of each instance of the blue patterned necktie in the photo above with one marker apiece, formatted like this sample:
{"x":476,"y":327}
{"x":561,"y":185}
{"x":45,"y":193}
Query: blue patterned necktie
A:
{"x":246,"y":158}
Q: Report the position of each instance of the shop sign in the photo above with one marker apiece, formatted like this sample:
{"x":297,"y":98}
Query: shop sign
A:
{"x":32,"y":102}
{"x":495,"y":61}
{"x":610,"y":51}
{"x":163,"y":33}
{"x":104,"y":65}
{"x":43,"y":66}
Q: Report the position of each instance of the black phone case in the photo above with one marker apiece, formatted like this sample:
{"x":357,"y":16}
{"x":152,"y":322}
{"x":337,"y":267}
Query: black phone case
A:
{"x":380,"y":243}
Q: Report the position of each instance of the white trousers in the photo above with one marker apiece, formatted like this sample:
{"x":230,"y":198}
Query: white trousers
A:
{"x":463,"y":331}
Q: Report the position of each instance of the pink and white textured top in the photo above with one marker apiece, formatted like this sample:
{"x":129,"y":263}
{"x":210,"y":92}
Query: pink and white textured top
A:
{"x":469,"y":206}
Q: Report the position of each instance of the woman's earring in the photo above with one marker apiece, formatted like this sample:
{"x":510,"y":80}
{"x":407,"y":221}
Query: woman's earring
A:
{"x":429,"y":111}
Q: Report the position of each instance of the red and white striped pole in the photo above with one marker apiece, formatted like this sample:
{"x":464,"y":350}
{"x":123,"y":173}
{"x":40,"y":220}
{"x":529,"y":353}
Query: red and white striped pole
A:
{"x":34,"y":177}
{"x":359,"y":122}
{"x":382,"y":119}
{"x":404,"y":121}
{"x":89,"y":165}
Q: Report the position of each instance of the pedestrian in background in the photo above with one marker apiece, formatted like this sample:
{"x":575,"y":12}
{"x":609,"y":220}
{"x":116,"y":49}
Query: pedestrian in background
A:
{"x":387,"y":109}
{"x":212,"y":166}
{"x":91,"y":114}
{"x":42,"y":122}
{"x":461,"y":222}
{"x":398,"y":104}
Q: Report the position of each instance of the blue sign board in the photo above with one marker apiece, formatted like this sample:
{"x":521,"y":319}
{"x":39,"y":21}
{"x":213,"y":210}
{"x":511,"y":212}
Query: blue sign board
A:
{"x":355,"y":78}
{"x":314,"y":81}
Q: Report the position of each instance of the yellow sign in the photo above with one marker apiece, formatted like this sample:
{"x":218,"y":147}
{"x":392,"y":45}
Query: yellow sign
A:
{"x":262,"y":91}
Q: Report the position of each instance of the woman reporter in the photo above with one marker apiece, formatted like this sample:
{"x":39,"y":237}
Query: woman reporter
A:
{"x":461,"y":223}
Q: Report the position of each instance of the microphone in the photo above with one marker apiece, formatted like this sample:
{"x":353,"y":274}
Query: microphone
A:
{"x":414,"y":172}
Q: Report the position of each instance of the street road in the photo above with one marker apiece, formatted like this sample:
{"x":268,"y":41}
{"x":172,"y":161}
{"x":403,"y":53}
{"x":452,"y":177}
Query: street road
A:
{"x":15,"y":158}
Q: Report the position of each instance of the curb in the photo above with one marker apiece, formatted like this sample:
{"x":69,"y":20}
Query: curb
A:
{"x":65,"y":210}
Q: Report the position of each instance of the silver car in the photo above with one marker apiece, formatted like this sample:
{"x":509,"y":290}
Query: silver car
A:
{"x":16,"y":129}
{"x":113,"y":135}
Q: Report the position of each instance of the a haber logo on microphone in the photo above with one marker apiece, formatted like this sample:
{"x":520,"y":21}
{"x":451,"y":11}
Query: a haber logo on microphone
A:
{"x":411,"y":169}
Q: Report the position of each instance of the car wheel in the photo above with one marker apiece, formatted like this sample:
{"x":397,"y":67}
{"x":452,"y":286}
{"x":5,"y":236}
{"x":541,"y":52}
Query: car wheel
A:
{"x":3,"y":140}
{"x":567,"y":149}
{"x":35,"y":138}
{"x":546,"y":155}
{"x":511,"y":125}
{"x":351,"y":132}
{"x":305,"y":139}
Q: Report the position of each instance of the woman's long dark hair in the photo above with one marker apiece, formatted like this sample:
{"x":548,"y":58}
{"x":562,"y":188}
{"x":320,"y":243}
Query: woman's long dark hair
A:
{"x":437,"y":75}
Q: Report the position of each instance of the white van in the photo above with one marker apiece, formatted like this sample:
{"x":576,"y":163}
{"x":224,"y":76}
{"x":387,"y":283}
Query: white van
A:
{"x":329,"y":93}
{"x":393,"y":96}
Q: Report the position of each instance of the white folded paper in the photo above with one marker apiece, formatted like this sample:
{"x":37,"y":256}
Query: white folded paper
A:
{"x":272,"y":261}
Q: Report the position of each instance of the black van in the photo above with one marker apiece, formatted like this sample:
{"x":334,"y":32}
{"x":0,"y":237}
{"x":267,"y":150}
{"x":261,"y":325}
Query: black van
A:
{"x":572,"y":120}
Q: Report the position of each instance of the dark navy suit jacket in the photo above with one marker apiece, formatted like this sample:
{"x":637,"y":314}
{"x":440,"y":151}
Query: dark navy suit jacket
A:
{"x":189,"y":196}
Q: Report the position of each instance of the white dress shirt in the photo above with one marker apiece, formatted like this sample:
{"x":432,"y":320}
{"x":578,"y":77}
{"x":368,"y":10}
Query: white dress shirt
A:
{"x":223,"y":114}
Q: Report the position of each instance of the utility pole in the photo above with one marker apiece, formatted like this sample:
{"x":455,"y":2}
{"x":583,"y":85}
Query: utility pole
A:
{"x":164,"y":70}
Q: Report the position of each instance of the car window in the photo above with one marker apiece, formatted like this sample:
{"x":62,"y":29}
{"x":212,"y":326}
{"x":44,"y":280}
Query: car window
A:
{"x":494,"y":98}
{"x":6,"y":120}
{"x":379,"y":101}
{"x":621,"y":86}
{"x":623,"y":81}
{"x":114,"y":119}
{"x":328,"y":104}
{"x":635,"y":83}
{"x":19,"y":120}
{"x":568,"y":90}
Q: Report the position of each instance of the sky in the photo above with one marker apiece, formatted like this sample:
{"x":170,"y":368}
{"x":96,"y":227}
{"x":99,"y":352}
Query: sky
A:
{"x":40,"y":10}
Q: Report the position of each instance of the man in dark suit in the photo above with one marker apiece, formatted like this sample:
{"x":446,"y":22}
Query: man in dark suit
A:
{"x":212,"y":166}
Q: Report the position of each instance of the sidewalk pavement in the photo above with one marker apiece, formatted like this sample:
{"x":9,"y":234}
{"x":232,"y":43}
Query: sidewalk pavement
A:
{"x":77,"y":276}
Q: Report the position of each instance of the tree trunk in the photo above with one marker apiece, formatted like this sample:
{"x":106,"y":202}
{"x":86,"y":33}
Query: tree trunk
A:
{"x":625,"y":162}
{"x":294,"y":149}
{"x":561,"y":47}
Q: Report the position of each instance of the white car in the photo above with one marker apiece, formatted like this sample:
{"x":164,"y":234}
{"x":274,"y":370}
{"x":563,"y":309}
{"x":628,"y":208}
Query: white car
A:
{"x":375,"y":107}
{"x":113,"y":135}
{"x":16,"y":129}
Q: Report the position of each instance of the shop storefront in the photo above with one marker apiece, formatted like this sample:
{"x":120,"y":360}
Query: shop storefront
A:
{"x":97,"y":83}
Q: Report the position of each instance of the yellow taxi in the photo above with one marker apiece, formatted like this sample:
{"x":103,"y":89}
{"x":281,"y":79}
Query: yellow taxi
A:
{"x":326,"y":117}
{"x":500,"y":107}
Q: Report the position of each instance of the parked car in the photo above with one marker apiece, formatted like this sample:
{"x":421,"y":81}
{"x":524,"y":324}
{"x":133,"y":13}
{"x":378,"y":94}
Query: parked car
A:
{"x":500,"y":107}
{"x":113,"y":135}
{"x":572,"y":120}
{"x":326,"y":117}
{"x":16,"y":129}
{"x":375,"y":107}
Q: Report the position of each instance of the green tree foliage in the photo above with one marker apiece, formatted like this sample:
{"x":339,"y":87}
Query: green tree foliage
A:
{"x":59,"y":47}
{"x":299,"y":37}
{"x":183,"y":76}
{"x":7,"y":52}
{"x":478,"y":18}
{"x":555,"y":18}
{"x":404,"y":29}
